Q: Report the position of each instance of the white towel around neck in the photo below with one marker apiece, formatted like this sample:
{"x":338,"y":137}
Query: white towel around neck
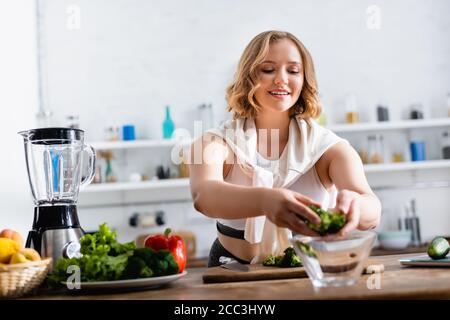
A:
{"x":306,"y":144}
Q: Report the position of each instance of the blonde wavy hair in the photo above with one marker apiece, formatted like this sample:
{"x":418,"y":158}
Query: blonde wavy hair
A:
{"x":240,"y":94}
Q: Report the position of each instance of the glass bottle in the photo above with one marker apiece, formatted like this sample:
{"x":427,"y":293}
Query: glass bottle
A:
{"x":446,"y":144}
{"x":416,"y":111}
{"x":73,"y":121}
{"x":351,"y":107}
{"x":168,"y":125}
{"x":375,"y":148}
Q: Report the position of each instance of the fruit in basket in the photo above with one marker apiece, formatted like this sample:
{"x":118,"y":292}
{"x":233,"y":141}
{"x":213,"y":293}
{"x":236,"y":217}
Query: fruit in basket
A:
{"x":13,"y":235}
{"x":8,"y":247}
{"x":30,"y":254}
{"x":18,"y":258}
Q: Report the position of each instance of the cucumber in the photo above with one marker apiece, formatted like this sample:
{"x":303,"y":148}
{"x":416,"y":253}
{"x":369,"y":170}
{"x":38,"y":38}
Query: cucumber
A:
{"x":438,"y":248}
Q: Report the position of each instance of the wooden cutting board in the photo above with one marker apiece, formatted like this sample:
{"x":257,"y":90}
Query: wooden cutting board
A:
{"x":260,"y":272}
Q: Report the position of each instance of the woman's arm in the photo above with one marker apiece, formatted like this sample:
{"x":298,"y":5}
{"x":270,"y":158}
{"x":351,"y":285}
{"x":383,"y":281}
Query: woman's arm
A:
{"x":355,"y":197}
{"x":213,"y":196}
{"x":216,"y":198}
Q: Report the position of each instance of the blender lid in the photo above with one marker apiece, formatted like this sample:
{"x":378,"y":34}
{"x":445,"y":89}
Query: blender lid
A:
{"x":54,"y":134}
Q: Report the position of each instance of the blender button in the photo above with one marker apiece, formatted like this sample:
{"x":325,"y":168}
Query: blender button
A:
{"x":71,"y":250}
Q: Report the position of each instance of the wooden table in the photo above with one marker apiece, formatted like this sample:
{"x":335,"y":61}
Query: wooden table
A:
{"x":396,"y":282}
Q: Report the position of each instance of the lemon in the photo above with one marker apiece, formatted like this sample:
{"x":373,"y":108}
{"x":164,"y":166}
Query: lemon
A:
{"x":18,"y":258}
{"x":7,"y":248}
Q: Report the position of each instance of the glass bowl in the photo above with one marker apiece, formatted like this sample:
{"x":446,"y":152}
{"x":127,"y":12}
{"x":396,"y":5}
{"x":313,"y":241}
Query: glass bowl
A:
{"x":332,"y":260}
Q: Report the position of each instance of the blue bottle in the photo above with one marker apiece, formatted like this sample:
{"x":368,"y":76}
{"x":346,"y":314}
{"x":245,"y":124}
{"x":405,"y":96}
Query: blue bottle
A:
{"x":168,"y":125}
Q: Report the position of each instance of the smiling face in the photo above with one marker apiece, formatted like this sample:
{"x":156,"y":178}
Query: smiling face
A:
{"x":280,"y":77}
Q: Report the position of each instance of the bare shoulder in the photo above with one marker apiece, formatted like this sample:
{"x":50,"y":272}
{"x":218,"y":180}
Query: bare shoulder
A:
{"x":210,"y":148}
{"x":341,"y":150}
{"x":346,"y":169}
{"x":342,"y":157}
{"x":338,"y":154}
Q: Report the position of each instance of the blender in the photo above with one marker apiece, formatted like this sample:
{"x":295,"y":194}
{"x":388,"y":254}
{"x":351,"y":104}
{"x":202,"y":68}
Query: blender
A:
{"x":54,"y":158}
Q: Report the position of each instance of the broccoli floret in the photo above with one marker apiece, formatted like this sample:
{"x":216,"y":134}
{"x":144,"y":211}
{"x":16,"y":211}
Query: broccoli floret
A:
{"x":286,"y":260}
{"x":269,"y":261}
{"x":289,"y":259}
{"x":136,"y":268}
{"x":163,"y":263}
{"x":145,"y":263}
{"x":331,"y":222}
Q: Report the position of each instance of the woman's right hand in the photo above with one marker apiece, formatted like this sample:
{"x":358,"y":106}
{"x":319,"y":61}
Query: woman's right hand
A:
{"x":289,"y":209}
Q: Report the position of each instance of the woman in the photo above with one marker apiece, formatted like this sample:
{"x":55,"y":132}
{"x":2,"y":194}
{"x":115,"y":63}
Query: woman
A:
{"x":257,"y":174}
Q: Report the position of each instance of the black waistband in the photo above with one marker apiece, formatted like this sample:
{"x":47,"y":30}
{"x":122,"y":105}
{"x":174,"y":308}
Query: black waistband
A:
{"x":230,"y":232}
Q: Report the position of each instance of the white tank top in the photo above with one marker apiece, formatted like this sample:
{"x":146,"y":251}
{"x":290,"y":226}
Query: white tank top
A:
{"x":308,"y":184}
{"x":307,"y":142}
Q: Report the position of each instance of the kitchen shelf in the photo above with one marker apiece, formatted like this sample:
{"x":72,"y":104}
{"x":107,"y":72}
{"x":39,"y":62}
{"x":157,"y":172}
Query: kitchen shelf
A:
{"x":135,"y":144}
{"x":126,"y":186}
{"x":390,"y":125}
{"x":340,"y":128}
{"x":184,"y":182}
{"x":404,"y":166}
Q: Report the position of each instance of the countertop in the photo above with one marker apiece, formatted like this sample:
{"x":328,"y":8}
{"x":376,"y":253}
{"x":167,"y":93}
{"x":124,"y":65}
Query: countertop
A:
{"x":395,"y":282}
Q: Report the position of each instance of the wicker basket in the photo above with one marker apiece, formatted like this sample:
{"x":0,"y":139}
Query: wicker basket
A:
{"x":20,"y":279}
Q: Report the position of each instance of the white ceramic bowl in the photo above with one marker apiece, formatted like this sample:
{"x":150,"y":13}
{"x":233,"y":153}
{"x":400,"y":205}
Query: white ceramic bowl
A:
{"x":394,"y":240}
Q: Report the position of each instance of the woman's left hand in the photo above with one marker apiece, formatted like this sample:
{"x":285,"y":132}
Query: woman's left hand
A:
{"x":348,"y":202}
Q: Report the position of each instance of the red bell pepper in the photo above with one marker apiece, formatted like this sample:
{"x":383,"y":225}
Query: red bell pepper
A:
{"x":174,"y":244}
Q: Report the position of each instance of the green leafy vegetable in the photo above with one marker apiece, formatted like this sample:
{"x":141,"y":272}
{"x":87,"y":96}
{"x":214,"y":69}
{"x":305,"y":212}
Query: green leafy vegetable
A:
{"x":290,"y":259}
{"x":103,"y":258}
{"x":287,"y":260}
{"x":331,"y":222}
{"x":146,"y":262}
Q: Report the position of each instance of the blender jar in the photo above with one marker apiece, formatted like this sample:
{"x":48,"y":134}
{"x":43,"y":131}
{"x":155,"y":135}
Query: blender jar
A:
{"x":54,"y":158}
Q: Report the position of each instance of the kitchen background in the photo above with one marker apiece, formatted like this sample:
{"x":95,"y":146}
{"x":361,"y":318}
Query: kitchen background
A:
{"x":103,"y":64}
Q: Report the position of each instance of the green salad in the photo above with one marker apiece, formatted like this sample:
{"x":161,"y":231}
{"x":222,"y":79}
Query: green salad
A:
{"x":103,"y":258}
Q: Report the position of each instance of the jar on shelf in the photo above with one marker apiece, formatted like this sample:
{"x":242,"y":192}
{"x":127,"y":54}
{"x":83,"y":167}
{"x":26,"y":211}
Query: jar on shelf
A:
{"x":416,"y":111}
{"x":351,"y":108}
{"x":417,"y":148}
{"x":73,"y":121}
{"x":397,"y":157}
{"x":375,"y":147}
{"x":446,"y":144}
{"x":364,"y":156}
{"x":184,"y":165}
{"x":112,"y":133}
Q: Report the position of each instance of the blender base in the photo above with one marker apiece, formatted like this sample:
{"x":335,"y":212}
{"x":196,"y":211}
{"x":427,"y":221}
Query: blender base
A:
{"x":56,"y":232}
